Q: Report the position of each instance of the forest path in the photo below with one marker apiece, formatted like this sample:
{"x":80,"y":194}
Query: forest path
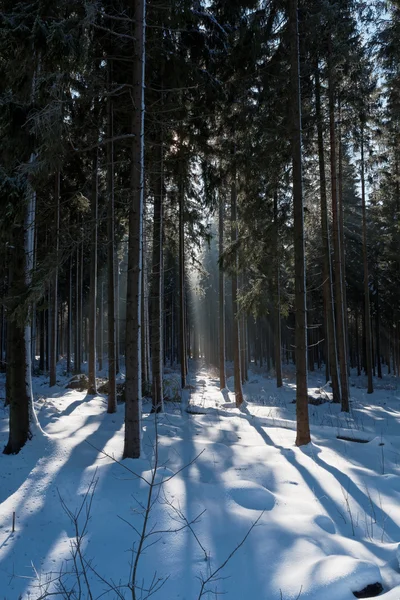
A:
{"x":204,"y":392}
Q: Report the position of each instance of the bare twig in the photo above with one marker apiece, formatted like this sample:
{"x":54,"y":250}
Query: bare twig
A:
{"x":213,"y":575}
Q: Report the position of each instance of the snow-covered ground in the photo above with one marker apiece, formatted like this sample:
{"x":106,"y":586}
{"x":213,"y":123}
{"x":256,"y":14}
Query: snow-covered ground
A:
{"x":329,"y":513}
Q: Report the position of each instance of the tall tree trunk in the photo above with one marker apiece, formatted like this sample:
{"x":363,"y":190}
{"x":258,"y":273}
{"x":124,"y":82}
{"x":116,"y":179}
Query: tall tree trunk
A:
{"x":327,"y":267}
{"x":144,"y":310}
{"x":77,"y":363}
{"x":156,"y":303}
{"x":23,"y":419}
{"x":53,"y":311}
{"x":303,"y":427}
{"x":277,"y":299}
{"x":69,"y":321}
{"x":42,"y":324}
{"x":378,"y":332}
{"x":341,"y":232}
{"x":92,"y":388}
{"x":243,"y":366}
{"x":133,"y":386}
{"x":101,"y":327}
{"x":182,"y":330}
{"x":237,"y":375}
{"x":111,"y":277}
{"x":221,"y":283}
{"x":82,"y":340}
{"x":368,"y":335}
{"x":117,"y":313}
{"x":341,"y":341}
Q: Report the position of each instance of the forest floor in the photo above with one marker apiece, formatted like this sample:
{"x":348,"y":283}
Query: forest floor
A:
{"x":329,"y":513}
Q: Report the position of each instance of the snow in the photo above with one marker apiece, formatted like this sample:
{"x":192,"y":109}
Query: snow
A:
{"x":329,"y":513}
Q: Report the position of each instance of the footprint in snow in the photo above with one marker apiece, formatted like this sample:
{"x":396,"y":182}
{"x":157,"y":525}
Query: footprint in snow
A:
{"x":251,"y":495}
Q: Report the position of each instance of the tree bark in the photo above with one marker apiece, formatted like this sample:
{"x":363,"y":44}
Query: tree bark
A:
{"x":378,"y":332}
{"x":100,"y":333}
{"x":341,"y":341}
{"x":182,"y":330}
{"x":92,"y":388}
{"x":277,"y":299}
{"x":19,"y":373}
{"x":367,"y":317}
{"x":111,"y":342}
{"x":156,"y":303}
{"x":235,"y":311}
{"x":303,"y":428}
{"x":133,"y":385}
{"x":342,"y":244}
{"x":221,"y":283}
{"x":53,"y":311}
{"x":69,"y":321}
{"x":327,"y":267}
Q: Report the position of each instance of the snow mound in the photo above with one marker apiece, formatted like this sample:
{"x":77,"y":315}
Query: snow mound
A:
{"x":251,"y":495}
{"x":325,"y":523}
{"x":330,"y":578}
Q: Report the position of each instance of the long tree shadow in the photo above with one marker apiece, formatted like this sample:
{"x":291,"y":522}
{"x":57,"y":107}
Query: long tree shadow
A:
{"x":204,"y":489}
{"x":51,"y":523}
{"x":364,"y":500}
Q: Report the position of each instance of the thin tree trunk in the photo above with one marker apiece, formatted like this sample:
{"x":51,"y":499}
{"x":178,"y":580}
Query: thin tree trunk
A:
{"x":367,"y":318}
{"x":303,"y":428}
{"x":277,"y":299}
{"x":69,"y":322}
{"x":327,"y":267}
{"x":378,"y":332}
{"x":156,"y":303}
{"x":133,"y":386}
{"x":42,"y":346}
{"x":243,"y":366}
{"x":221,"y":283}
{"x":77,"y":364}
{"x":53,"y":311}
{"x":342,"y":244}
{"x":101,"y":327}
{"x":82,"y":344}
{"x":235,"y":312}
{"x":92,"y":388}
{"x":341,"y":341}
{"x":182,"y":331}
{"x":111,"y":277}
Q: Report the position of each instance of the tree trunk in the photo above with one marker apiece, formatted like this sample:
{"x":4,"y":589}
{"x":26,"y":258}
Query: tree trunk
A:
{"x":327,"y":267}
{"x":367,"y":318}
{"x":42,"y":346}
{"x":235,"y":311}
{"x":111,"y":342}
{"x":69,"y":322}
{"x":101,"y":327}
{"x":53,"y":309}
{"x":133,"y":385}
{"x":342,"y":244}
{"x":77,"y":364}
{"x":378,"y":332}
{"x":243,"y":366}
{"x":156,"y":303}
{"x":92,"y":388}
{"x":182,"y":331}
{"x":18,"y":375}
{"x":277,"y":299}
{"x":221,"y":283}
{"x":303,"y":428}
{"x":117,"y":314}
{"x":341,"y":341}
